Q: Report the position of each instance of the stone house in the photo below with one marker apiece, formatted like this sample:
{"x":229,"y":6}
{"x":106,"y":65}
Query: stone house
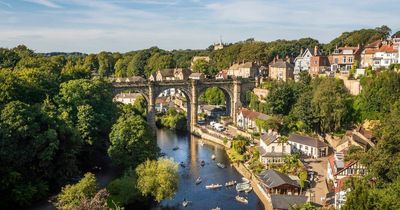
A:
{"x":308,"y":146}
{"x":367,"y":54}
{"x":271,"y":150}
{"x":280,"y":69}
{"x":197,"y":76}
{"x":170,"y":74}
{"x":243,"y":70}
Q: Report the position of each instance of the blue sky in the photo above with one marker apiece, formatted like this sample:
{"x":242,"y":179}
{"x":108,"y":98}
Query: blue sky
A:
{"x":124,"y":25}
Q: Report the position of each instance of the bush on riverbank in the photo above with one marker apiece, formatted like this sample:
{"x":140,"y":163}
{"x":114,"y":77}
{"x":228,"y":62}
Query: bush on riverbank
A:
{"x":173,"y":119}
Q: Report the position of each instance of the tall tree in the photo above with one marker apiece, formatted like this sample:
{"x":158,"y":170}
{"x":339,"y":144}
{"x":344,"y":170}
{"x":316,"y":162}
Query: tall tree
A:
{"x":130,"y":147}
{"x":158,"y":178}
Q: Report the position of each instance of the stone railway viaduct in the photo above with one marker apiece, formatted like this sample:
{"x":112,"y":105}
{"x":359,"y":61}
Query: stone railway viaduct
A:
{"x":234,"y":89}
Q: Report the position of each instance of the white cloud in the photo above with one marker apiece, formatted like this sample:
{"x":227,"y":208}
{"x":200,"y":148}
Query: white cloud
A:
{"x":47,"y":3}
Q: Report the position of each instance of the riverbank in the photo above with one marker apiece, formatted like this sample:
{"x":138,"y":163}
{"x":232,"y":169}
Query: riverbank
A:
{"x":206,"y":134}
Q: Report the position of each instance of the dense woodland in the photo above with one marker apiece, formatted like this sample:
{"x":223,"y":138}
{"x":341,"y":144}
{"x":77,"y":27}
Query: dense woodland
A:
{"x":57,"y":118}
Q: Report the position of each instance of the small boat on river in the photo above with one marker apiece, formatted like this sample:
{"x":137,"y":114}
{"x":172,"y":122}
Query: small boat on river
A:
{"x":213,"y":157}
{"x":175,"y":148}
{"x":221,"y":165}
{"x":245,"y":180}
{"x":213,"y":186}
{"x":248,"y":190}
{"x":198,"y":181}
{"x":216,"y":208}
{"x":185,"y":203}
{"x":231,"y":183}
{"x":202,"y":163}
{"x":242,"y":187}
{"x":182,"y":165}
{"x":241,"y":199}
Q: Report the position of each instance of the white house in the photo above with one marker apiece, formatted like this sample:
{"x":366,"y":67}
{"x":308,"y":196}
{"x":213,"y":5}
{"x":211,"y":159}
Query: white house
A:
{"x":385,"y":56}
{"x":272,"y":151}
{"x":308,"y":146}
{"x":338,"y":168}
{"x":246,"y":119}
{"x":338,"y":171}
{"x":302,"y":61}
{"x":126,"y":98}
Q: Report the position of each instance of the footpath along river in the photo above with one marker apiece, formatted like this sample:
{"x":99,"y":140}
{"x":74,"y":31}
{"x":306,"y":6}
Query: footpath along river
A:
{"x":191,"y":153}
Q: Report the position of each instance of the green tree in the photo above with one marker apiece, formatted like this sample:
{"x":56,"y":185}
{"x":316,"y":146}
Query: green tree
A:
{"x":130,"y":147}
{"x":378,"y":95}
{"x":213,"y":96}
{"x":71,"y":196}
{"x":158,"y":178}
{"x":281,"y":98}
{"x":123,"y":190}
{"x":332,"y":104}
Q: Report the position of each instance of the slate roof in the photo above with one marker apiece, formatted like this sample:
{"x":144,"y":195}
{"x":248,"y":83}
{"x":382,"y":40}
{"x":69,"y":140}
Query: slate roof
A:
{"x":273,"y":179}
{"x":306,"y":140}
{"x":167,"y":72}
{"x":196,"y":74}
{"x":286,"y":201}
{"x":282,"y":64}
{"x":268,"y":138}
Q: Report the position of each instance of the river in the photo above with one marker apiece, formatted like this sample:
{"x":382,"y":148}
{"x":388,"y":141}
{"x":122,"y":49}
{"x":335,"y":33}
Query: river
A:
{"x":191,"y":153}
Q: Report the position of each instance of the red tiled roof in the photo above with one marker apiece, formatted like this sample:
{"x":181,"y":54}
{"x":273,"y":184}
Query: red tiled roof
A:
{"x":347,"y":164}
{"x":340,"y":184}
{"x":375,"y":44}
{"x":252,"y":114}
{"x":387,"y":49}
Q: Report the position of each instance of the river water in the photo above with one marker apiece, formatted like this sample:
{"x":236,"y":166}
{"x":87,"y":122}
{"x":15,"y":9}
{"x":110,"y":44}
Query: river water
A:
{"x":191,"y":153}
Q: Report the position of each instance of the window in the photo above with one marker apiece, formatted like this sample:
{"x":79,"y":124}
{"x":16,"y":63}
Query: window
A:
{"x":301,"y":146}
{"x":306,"y":148}
{"x":315,"y":62}
{"x":273,"y":149}
{"x":350,"y":59}
{"x":312,"y":150}
{"x":336,"y":60}
{"x":344,"y":59}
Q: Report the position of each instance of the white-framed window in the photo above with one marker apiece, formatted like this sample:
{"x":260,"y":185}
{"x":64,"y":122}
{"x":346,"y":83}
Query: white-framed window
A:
{"x":306,"y":148}
{"x":273,"y":149}
{"x":344,"y":59}
{"x":350,"y":59}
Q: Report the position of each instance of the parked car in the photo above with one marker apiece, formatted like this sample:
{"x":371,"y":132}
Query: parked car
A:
{"x":219,"y":127}
{"x":201,"y":122}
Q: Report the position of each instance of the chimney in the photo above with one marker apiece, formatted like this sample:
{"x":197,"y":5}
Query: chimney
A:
{"x":287,"y":58}
{"x":358,"y":46}
{"x":315,"y":50}
{"x":301,"y":51}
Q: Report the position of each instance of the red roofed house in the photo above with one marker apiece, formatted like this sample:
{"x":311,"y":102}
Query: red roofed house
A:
{"x":222,"y":74}
{"x":385,"y":56}
{"x":246,"y":119}
{"x":367,"y":54}
{"x":340,"y":192}
{"x":343,"y":58}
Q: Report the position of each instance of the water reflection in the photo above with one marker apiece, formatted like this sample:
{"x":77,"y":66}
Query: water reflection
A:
{"x":191,"y":153}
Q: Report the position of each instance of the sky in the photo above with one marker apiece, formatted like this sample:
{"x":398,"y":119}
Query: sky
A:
{"x":92,"y":26}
